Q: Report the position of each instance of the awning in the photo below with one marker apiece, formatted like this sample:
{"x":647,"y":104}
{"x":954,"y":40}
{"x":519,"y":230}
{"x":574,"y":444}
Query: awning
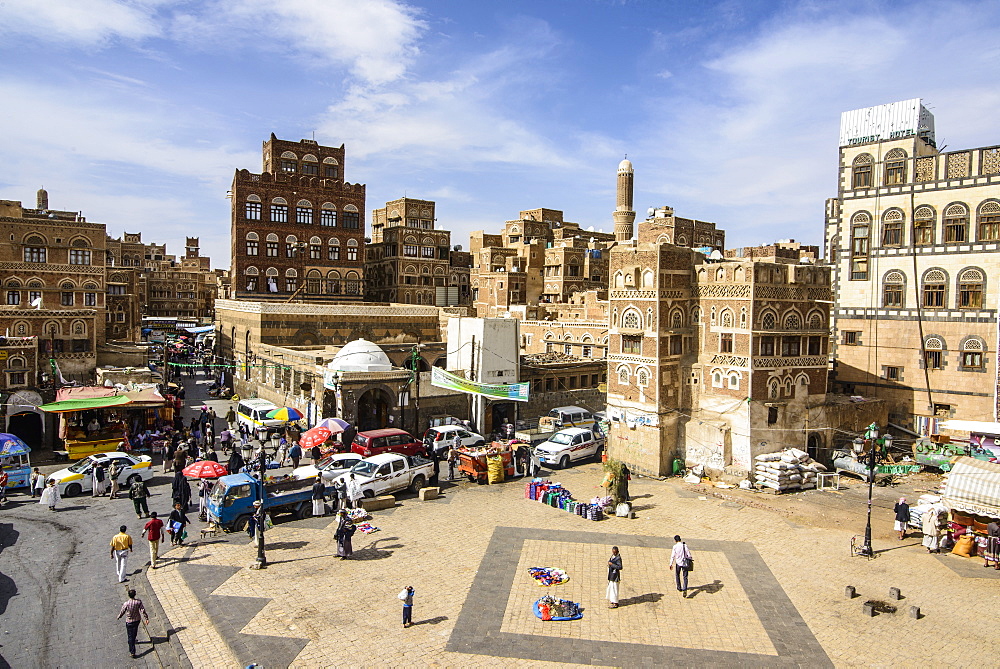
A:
{"x":973,"y":486}
{"x":199,"y":330}
{"x":976,"y":426}
{"x":84,"y":393}
{"x":82,"y":404}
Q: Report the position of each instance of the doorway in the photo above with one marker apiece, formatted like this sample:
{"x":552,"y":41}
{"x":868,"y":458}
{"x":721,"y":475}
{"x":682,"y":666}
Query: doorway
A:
{"x":28,"y":426}
{"x":373,"y":410}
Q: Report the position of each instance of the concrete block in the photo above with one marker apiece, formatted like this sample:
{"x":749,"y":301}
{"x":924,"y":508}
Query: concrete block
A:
{"x":894,"y":594}
{"x":868,"y":610}
{"x":426,"y":494}
{"x":850,"y":592}
{"x":378,"y":503}
{"x":915,"y":612}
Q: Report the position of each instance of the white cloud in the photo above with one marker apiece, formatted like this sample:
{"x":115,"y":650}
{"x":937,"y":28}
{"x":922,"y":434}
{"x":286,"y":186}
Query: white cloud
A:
{"x":78,"y":22}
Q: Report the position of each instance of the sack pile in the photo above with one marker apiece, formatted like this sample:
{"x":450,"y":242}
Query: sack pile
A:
{"x":791,"y":469}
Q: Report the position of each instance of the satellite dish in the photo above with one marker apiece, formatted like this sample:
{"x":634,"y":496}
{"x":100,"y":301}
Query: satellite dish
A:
{"x":650,"y":212}
{"x":590,"y":229}
{"x":715,"y":255}
{"x":458,"y":247}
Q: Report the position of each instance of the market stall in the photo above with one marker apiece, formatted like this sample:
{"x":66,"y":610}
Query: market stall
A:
{"x":972,"y":493}
{"x":15,"y":461}
{"x":492,"y":463}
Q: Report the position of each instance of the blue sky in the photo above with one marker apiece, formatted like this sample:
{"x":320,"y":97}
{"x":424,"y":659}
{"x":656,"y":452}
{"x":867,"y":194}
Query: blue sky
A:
{"x":138,"y":112}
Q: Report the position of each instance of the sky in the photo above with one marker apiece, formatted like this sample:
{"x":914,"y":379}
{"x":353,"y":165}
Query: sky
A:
{"x":138,"y":112}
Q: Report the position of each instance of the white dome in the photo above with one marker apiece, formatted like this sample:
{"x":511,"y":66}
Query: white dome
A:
{"x":625,"y":166}
{"x":360,"y":355}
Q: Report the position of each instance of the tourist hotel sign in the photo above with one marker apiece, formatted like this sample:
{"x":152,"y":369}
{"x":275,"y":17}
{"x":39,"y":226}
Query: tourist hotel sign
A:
{"x":908,"y":118}
{"x":503,"y":391}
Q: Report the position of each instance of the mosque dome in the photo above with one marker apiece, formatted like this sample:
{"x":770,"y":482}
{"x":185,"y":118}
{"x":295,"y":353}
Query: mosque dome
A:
{"x":625,"y":166}
{"x":360,"y":355}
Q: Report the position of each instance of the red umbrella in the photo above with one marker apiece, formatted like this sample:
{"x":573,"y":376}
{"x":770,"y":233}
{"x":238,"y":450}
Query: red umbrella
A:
{"x":205,"y":469}
{"x":314,"y":437}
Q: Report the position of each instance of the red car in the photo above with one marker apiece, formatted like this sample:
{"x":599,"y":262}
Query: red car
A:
{"x":387,"y":440}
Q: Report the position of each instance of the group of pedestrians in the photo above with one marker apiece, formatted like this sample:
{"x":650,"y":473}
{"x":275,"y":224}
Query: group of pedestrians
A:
{"x":681,"y":563}
{"x":347,"y":494}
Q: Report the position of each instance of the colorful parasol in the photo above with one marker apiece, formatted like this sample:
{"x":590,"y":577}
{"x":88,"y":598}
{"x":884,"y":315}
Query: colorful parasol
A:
{"x":314,"y":437}
{"x":335,"y":425}
{"x":285,"y":413}
{"x":205,"y":469}
{"x":11,"y":444}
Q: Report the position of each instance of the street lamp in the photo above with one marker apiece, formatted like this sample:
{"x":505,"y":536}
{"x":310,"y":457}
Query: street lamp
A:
{"x":872,"y":439}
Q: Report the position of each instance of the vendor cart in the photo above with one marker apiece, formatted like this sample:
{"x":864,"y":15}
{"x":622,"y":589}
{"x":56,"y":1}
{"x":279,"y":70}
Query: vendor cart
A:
{"x":474,"y":462}
{"x":15,"y":461}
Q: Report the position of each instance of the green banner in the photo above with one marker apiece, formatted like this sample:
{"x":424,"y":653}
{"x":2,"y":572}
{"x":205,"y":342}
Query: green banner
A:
{"x":504,"y":391}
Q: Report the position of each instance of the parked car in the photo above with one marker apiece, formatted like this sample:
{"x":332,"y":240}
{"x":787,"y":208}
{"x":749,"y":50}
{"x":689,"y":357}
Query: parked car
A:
{"x":391,"y":472}
{"x":387,"y":440}
{"x":557,"y":419}
{"x":569,"y":445}
{"x":253,"y":414}
{"x":79,"y":477}
{"x":440,"y":439}
{"x":331,"y":466}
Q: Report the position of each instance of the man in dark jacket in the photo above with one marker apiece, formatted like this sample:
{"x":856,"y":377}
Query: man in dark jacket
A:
{"x":319,"y":497}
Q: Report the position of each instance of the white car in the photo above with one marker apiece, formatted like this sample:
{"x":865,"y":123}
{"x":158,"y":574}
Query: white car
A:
{"x":332,"y":466}
{"x":79,"y":477}
{"x":443,"y":437}
{"x":565,"y":446}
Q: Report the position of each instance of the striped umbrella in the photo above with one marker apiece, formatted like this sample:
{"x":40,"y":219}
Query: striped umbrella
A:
{"x":335,"y":425}
{"x":314,"y":437}
{"x":285,"y":413}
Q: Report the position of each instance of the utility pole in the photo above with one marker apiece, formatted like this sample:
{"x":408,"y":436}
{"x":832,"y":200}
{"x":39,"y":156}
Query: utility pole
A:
{"x":415,"y":366}
{"x":473,"y":413}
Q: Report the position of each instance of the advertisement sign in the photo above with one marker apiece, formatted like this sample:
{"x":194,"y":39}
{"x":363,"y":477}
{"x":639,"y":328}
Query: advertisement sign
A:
{"x":504,"y":391}
{"x":907,"y":118}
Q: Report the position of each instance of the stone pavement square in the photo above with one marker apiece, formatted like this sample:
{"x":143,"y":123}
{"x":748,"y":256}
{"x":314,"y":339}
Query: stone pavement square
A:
{"x":747,"y":619}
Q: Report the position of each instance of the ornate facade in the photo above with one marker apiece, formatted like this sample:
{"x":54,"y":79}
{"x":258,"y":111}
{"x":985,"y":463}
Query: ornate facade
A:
{"x":914,"y":237}
{"x":298,"y":228}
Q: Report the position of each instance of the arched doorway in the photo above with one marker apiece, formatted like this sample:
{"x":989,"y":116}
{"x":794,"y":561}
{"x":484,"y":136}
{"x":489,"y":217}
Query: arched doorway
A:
{"x":28,"y":426}
{"x":373,"y":409}
{"x":814,"y":445}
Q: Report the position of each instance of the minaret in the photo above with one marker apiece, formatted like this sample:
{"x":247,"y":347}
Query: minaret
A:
{"x":42,"y":199}
{"x":624,"y":215}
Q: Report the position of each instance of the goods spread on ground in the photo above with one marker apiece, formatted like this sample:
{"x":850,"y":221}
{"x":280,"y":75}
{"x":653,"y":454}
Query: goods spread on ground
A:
{"x":547,"y":576}
{"x":790,"y":469}
{"x":554,"y":495}
{"x":550,"y":608}
{"x":357,"y":515}
{"x":367,"y":528}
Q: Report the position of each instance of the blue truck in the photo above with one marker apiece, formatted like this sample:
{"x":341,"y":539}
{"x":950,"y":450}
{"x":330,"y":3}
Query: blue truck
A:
{"x":230,"y":503}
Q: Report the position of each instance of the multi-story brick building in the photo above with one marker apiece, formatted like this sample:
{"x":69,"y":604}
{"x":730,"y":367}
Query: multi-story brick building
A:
{"x":914,"y":237}
{"x":409,"y":260}
{"x":538,"y":258}
{"x":297,"y":227}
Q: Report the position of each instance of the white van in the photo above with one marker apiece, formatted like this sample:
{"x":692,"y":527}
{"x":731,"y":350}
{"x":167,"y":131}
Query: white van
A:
{"x":253,"y":414}
{"x":562,"y":417}
{"x":569,"y":445}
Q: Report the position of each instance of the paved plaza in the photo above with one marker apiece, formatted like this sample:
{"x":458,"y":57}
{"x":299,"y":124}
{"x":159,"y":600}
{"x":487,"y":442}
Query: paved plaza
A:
{"x":768,"y":589}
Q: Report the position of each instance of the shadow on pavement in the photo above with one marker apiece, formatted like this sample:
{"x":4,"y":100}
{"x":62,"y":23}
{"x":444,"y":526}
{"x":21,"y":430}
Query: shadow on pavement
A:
{"x":649,"y":597}
{"x":286,"y":545}
{"x":171,"y":631}
{"x":432,"y":621}
{"x":710,"y":588}
{"x":886,"y":550}
{"x":376,"y":551}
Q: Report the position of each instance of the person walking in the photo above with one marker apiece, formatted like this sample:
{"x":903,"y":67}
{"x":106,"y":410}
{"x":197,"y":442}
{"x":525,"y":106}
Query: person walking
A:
{"x":930,"y":524}
{"x":319,"y":497}
{"x":450,"y":455}
{"x":236,"y":462}
{"x":98,"y":482}
{"x":37,"y":482}
{"x":138,"y":492}
{"x":340,"y":490}
{"x":180,"y":490}
{"x":50,"y":495}
{"x":991,"y":552}
{"x":121,"y":546}
{"x":345,"y":530}
{"x":231,"y":417}
{"x":626,"y":476}
{"x":614,"y":577}
{"x":153,"y":531}
{"x":204,"y":489}
{"x":225,"y":440}
{"x":114,"y":471}
{"x":134,"y":613}
{"x":176,"y":524}
{"x":353,"y":492}
{"x":295,"y":454}
{"x":180,"y":458}
{"x":406,"y":595}
{"x":902,"y":511}
{"x":680,"y":557}
{"x":168,"y":455}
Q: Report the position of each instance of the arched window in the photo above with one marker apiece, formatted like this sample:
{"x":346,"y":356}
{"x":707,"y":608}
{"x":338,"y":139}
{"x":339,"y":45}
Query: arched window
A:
{"x":696,"y":316}
{"x":861,"y":172}
{"x":720,"y":274}
{"x":333,"y":249}
{"x":619,"y":279}
{"x":649,"y":318}
{"x":970,"y":289}
{"x":632,"y":320}
{"x":743,"y":318}
{"x":923,"y":226}
{"x":816,"y":321}
{"x":934,"y":352}
{"x":642,"y":377}
{"x":893,"y":289}
{"x":717,"y":378}
{"x":989,"y":221}
{"x":351,"y":217}
{"x":647,"y":279}
{"x":956,"y":223}
{"x":79,"y":328}
{"x":352,"y":249}
{"x":935,"y":288}
{"x":789,"y":388}
{"x":727,"y":318}
{"x":623,"y":375}
{"x":734,"y":381}
{"x":252,"y":208}
{"x":860,"y":234}
{"x":892,"y":228}
{"x":768,"y":320}
{"x":792,"y":321}
{"x":972,"y":353}
{"x":895,"y":167}
{"x":676,"y":319}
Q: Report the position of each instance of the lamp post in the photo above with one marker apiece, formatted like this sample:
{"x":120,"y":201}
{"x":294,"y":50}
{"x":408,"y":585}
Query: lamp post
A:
{"x":872,"y":439}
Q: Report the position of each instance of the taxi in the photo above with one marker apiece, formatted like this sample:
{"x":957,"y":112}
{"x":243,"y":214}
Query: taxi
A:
{"x":78,"y":478}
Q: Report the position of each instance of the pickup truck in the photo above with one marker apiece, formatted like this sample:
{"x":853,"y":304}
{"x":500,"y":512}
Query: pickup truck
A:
{"x":391,"y":472}
{"x":565,"y":446}
{"x":230,"y":503}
